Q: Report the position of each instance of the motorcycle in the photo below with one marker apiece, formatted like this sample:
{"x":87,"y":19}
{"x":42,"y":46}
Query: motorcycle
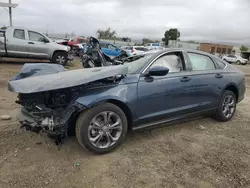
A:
{"x":92,"y":56}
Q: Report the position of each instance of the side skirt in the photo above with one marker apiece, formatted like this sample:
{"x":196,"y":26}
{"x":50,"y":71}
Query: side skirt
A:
{"x":169,"y":121}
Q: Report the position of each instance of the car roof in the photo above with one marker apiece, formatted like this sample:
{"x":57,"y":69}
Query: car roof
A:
{"x":184,"y":50}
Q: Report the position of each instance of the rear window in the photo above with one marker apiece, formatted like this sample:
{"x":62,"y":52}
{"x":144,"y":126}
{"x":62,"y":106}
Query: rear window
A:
{"x":155,"y":44}
{"x":129,"y":48}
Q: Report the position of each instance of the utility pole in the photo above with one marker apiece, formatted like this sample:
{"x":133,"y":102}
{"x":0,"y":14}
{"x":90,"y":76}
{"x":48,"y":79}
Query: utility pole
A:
{"x":10,"y":6}
{"x":10,"y":14}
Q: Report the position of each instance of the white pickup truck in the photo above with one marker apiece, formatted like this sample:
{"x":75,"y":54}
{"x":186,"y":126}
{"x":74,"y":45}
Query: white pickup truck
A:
{"x":29,"y":44}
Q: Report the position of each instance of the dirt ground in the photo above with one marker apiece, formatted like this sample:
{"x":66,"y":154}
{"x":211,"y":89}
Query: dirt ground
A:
{"x":201,"y":153}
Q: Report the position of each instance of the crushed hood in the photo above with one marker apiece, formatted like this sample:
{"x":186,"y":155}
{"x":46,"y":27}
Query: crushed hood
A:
{"x":45,"y":77}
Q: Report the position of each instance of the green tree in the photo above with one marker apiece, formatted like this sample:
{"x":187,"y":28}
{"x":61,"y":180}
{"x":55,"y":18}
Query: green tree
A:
{"x":106,"y":34}
{"x":243,"y":48}
{"x":145,"y":41}
{"x":171,"y":34}
{"x":126,"y":39}
{"x":3,"y":28}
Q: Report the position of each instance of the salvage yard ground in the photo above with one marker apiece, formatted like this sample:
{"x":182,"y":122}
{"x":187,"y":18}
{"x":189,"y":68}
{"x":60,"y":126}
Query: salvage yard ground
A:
{"x":202,"y":153}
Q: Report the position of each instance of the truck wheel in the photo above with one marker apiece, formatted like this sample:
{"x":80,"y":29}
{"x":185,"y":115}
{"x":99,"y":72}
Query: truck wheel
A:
{"x":60,"y":58}
{"x":102,"y":128}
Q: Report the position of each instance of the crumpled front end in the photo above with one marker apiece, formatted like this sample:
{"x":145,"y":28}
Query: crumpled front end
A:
{"x":49,"y":112}
{"x":48,"y":94}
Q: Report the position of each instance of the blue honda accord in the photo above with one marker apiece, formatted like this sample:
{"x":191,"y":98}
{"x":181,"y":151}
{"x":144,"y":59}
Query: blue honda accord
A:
{"x":102,"y":104}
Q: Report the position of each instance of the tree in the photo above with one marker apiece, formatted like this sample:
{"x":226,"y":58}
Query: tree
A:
{"x":106,"y":34}
{"x":243,"y":48}
{"x":171,"y":34}
{"x":145,"y":41}
{"x":126,"y":39}
{"x":3,"y":28}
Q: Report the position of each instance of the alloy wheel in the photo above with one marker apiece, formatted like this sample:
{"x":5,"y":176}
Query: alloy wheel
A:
{"x":60,"y":60}
{"x":105,"y":129}
{"x":228,"y":106}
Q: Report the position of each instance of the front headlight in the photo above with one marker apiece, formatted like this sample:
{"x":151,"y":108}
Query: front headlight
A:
{"x":67,"y":48}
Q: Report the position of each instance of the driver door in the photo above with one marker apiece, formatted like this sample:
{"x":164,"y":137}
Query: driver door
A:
{"x":161,"y":98}
{"x":37,"y":48}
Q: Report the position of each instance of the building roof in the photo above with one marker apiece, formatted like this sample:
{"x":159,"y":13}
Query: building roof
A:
{"x":216,"y":44}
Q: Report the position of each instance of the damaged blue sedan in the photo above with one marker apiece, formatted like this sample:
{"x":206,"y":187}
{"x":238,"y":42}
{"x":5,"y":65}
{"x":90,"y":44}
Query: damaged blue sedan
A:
{"x":100,"y":105}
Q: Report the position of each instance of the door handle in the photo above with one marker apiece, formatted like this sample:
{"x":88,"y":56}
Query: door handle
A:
{"x":31,"y":42}
{"x":218,"y":75}
{"x":185,"y":79}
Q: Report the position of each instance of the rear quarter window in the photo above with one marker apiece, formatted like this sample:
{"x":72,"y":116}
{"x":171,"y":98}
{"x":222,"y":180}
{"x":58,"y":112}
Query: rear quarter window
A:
{"x":221,"y":63}
{"x":201,"y":62}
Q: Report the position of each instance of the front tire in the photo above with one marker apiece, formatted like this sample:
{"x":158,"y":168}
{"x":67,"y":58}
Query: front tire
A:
{"x":60,"y":58}
{"x":227,"y":107}
{"x":102,"y":128}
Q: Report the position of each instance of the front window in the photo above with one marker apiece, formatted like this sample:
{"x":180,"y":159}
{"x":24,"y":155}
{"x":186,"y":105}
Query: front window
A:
{"x":34,"y":36}
{"x":171,"y":61}
{"x":112,"y":47}
{"x":136,"y":65}
{"x":201,"y":62}
{"x":19,"y":34}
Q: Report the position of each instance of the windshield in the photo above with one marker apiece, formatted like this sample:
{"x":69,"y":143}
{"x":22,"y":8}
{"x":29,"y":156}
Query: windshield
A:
{"x":137,"y":64}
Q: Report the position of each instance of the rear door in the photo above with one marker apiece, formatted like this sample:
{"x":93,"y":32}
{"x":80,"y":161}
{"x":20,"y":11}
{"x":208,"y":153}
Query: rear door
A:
{"x":139,"y":50}
{"x":206,"y":80}
{"x":37,"y":48}
{"x":17,"y":44}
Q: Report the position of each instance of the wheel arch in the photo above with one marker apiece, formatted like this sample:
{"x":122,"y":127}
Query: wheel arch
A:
{"x":232,"y":87}
{"x":85,"y":101}
{"x":125,"y":109}
{"x":56,"y":52}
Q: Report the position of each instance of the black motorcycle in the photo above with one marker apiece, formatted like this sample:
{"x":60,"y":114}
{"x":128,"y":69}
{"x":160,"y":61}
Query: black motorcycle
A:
{"x":92,"y":56}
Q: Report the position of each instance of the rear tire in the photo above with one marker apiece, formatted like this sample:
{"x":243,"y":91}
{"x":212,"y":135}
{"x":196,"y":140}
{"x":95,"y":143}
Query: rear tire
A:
{"x":60,"y":58}
{"x":227,"y":107}
{"x":99,"y":137}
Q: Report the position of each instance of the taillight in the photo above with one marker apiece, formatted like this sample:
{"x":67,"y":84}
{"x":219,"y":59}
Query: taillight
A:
{"x":132,"y":50}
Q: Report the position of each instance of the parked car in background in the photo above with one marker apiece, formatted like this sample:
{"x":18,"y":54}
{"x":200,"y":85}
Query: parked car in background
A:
{"x":77,"y":40}
{"x":112,"y":50}
{"x":62,"y":42}
{"x":235,"y":59}
{"x":136,"y":50}
{"x":152,"y":46}
{"x":102,"y":104}
{"x":30,"y":44}
{"x":77,"y":48}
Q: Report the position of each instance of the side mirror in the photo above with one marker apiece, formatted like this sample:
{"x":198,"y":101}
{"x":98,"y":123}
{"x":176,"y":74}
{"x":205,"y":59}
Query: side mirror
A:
{"x":158,"y":71}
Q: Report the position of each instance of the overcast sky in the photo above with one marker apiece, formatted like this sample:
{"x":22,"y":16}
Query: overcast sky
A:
{"x":214,"y":20}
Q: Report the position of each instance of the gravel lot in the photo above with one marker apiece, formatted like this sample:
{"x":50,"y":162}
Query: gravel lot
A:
{"x":201,"y":153}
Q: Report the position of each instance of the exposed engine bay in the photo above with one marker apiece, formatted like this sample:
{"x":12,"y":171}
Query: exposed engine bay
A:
{"x":51,"y":111}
